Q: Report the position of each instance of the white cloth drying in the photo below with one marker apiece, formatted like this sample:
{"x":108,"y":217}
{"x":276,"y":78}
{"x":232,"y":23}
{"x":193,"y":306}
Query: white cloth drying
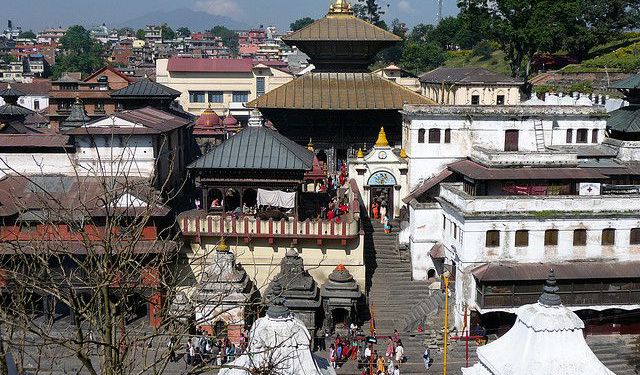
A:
{"x":276,"y":198}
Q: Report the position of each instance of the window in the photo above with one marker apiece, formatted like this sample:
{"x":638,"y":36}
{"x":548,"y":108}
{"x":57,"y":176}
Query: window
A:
{"x":594,"y":136}
{"x":99,"y":107}
{"x":579,"y":237}
{"x":215,"y":96}
{"x":434,"y":135}
{"x":634,"y":237}
{"x":569,"y":135}
{"x":260,"y":86}
{"x":511,"y":140}
{"x":608,"y":237}
{"x":500,"y":100}
{"x":551,"y":237}
{"x":447,"y":135}
{"x":475,"y":99}
{"x":240,"y":96}
{"x":196,"y":96}
{"x":522,"y":238}
{"x":582,"y":136}
{"x":455,"y":231}
{"x":421,"y":135}
{"x":36,"y":105}
{"x":493,"y":238}
{"x":444,"y":222}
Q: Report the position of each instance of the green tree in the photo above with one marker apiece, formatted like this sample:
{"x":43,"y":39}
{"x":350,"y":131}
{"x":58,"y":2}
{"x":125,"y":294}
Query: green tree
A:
{"x":229,"y":37}
{"x":421,"y":33}
{"x":370,"y":11}
{"x":393,"y":54}
{"x":140,"y":34}
{"x":126,"y":31}
{"x":300,"y":23}
{"x":167,"y":32}
{"x":29,"y":34}
{"x":183,"y":32}
{"x":421,"y":57}
{"x":80,"y":52}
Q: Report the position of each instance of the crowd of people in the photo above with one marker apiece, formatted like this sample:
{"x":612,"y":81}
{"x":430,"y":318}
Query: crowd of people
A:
{"x":203,"y":349}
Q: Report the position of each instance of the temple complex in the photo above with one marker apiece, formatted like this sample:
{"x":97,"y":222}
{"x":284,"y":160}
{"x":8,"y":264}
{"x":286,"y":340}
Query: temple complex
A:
{"x":340,"y":104}
{"x":300,"y":290}
{"x":546,"y":339}
{"x":210,"y":129}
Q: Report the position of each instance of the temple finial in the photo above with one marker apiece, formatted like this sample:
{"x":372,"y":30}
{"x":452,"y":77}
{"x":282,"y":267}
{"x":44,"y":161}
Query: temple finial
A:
{"x":403,"y":153}
{"x":550,"y":295}
{"x":340,"y":7}
{"x":222,"y":246}
{"x":277,"y":308}
{"x":310,"y":145}
{"x":360,"y":154}
{"x":382,"y":139}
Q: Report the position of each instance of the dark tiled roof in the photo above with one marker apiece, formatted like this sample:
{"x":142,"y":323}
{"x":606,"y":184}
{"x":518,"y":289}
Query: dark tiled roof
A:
{"x":339,"y":91}
{"x":256,"y":148}
{"x":477,"y":171}
{"x":14,"y":110}
{"x":146,"y":88}
{"x":36,"y":87}
{"x":339,"y":29}
{"x":625,"y":120}
{"x":154,"y":121}
{"x":467,"y":75}
{"x":34,"y":140}
{"x":632,"y":82}
{"x":10,"y":91}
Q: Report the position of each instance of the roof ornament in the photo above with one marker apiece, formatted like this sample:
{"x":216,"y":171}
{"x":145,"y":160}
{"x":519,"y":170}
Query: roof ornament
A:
{"x":340,"y":8}
{"x":403,"y":153}
{"x":255,"y":118}
{"x":550,"y":295}
{"x":382,"y":139}
{"x":360,"y":154}
{"x":277,"y":308}
{"x":222,"y":246}
{"x":310,"y":145}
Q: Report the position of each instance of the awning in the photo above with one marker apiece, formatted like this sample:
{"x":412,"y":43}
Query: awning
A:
{"x":427,"y":184}
{"x":564,"y":271}
{"x":477,"y":171}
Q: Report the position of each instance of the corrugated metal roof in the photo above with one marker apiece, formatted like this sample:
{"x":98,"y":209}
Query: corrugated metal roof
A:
{"x":341,"y":29}
{"x":563,"y":271}
{"x":477,"y":171}
{"x":625,"y":120}
{"x":632,"y":82}
{"x":146,"y":88}
{"x":256,"y":148}
{"x":467,"y":75}
{"x":339,"y":91}
{"x":181,"y":64}
{"x":34,"y":140}
{"x":154,"y":121}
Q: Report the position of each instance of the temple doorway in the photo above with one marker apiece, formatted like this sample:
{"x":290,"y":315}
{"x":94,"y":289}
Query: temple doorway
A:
{"x":219,"y":329}
{"x":340,"y":318}
{"x":381,"y":196}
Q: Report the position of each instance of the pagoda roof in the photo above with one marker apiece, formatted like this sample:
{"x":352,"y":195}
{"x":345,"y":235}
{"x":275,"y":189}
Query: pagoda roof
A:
{"x":14,"y":110}
{"x":145,"y":88}
{"x":339,"y":91}
{"x":256,"y":147}
{"x":340,"y":29}
{"x":625,"y":120}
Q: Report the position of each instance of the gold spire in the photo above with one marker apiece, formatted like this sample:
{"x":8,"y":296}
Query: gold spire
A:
{"x":403,"y":153}
{"x":382,"y":139}
{"x":360,"y":154}
{"x":340,"y":8}
{"x":222,"y":246}
{"x":310,"y":145}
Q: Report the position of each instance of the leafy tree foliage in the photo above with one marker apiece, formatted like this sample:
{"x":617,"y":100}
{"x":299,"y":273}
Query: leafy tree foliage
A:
{"x":140,"y":34}
{"x":183,"y":31}
{"x":300,"y":23}
{"x":229,"y":37}
{"x":80,"y":52}
{"x":167,"y":32}
{"x":421,"y":57}
{"x":370,"y":11}
{"x":394,"y":53}
{"x":29,"y":34}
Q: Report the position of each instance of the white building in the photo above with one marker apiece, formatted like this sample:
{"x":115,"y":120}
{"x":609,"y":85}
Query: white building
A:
{"x":36,"y":93}
{"x":470,"y":86}
{"x":498,"y":193}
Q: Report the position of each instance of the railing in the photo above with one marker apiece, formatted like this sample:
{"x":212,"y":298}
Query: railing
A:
{"x":543,"y":205}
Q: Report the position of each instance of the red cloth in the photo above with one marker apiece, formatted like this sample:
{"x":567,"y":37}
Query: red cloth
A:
{"x":330,"y":215}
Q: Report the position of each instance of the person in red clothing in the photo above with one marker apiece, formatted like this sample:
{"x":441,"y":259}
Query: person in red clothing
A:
{"x":330,"y":215}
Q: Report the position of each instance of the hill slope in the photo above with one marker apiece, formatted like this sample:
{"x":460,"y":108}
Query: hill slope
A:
{"x":196,"y":21}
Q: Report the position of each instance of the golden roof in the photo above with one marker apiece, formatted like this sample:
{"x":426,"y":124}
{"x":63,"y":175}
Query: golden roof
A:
{"x":341,"y":25}
{"x":382,"y":139}
{"x":339,"y":91}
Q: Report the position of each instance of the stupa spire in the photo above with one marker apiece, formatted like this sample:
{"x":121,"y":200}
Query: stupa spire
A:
{"x":277,"y":308}
{"x":340,"y":8}
{"x":550,"y":295}
{"x":382,"y":139}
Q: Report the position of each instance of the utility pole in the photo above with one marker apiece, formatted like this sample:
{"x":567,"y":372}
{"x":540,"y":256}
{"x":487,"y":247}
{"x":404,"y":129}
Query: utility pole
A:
{"x":439,"y":10}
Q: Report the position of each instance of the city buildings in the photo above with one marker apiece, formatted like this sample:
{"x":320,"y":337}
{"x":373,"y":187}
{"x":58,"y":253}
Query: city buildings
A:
{"x":225,"y":85}
{"x":470,"y":86}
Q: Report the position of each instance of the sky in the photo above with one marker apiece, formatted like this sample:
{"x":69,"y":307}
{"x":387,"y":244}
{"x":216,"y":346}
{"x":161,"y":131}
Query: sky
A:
{"x":38,"y":14}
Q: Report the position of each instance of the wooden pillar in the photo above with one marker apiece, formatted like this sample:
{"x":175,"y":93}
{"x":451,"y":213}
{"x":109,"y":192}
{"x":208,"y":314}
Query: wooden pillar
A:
{"x":241,"y":192}
{"x":205,"y":199}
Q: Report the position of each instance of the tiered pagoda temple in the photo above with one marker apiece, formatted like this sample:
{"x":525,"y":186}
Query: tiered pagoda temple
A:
{"x":300,"y":290}
{"x":340,"y":104}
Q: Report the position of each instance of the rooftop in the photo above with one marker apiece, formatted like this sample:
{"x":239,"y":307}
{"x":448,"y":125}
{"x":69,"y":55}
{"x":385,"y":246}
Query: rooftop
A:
{"x":145,"y":88}
{"x":203,"y":65}
{"x":147,"y":120}
{"x":468,"y":75}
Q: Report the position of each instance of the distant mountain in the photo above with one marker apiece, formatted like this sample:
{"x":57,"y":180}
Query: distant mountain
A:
{"x":194,"y":20}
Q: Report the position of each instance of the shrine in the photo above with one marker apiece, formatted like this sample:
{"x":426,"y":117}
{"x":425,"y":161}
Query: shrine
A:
{"x":340,"y":298}
{"x":224,"y":297}
{"x":340,"y":104}
{"x":300,"y":290}
{"x":547,"y":339}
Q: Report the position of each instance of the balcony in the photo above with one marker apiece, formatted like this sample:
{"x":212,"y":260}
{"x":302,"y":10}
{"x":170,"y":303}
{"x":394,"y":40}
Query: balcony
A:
{"x":542,"y":206}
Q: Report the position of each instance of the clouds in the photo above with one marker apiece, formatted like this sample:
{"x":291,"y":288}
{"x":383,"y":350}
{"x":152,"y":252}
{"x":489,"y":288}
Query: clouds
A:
{"x":405,"y":6}
{"x":227,"y":8}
